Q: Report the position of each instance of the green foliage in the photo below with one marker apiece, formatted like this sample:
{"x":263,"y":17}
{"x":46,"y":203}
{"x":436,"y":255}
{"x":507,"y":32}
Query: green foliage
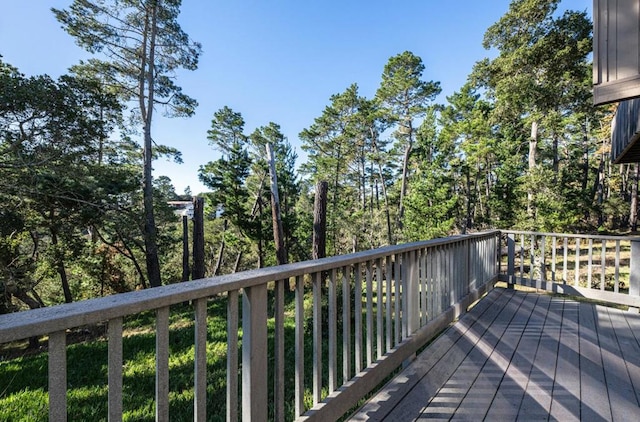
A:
{"x":122,"y":32}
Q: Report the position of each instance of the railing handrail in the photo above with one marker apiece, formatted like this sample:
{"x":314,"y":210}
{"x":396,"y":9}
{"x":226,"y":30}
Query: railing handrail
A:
{"x":574,"y":268}
{"x":37,"y":322}
{"x":573,"y":236}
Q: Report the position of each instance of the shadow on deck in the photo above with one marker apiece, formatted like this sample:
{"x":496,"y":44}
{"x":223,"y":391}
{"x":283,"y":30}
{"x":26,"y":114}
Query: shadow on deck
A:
{"x":522,"y":356}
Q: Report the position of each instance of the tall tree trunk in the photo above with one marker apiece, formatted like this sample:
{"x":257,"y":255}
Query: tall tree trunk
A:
{"x":319,"y":242}
{"x":22,"y":295}
{"x":278,"y":232}
{"x":403,"y":186}
{"x":374,"y":143}
{"x":147,"y":80}
{"x":256,"y":212}
{"x":185,"y":248}
{"x":373,"y":193}
{"x":633,"y":212}
{"x":467,"y":224}
{"x":334,"y":203}
{"x":599,"y":189}
{"x":363,"y":182}
{"x":60,"y":268}
{"x":556,"y":160}
{"x":533,"y":151}
{"x":260,"y":240}
{"x":487,"y":190}
{"x":585,"y":160}
{"x":198,"y":238}
{"x":609,"y":173}
{"x":236,"y":266}
{"x":216,"y":270}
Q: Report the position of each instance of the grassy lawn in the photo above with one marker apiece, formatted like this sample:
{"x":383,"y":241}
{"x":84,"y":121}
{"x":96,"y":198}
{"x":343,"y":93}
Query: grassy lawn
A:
{"x":23,"y":379}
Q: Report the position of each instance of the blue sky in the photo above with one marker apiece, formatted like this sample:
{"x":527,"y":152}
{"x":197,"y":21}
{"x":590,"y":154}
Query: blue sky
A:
{"x":275,"y":60}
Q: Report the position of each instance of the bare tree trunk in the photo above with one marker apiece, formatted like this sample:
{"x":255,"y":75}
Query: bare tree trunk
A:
{"x":556,"y":160}
{"x":221,"y":250}
{"x":260,"y":240}
{"x":22,"y":295}
{"x":256,"y":211}
{"x":185,"y":248}
{"x":278,"y":232}
{"x":319,"y":241}
{"x":236,"y":266}
{"x":374,"y":137}
{"x":363,"y":182}
{"x":146,"y":108}
{"x":64,"y":280}
{"x":585,"y":160}
{"x":633,"y":212}
{"x":533,"y":151}
{"x":467,"y":223}
{"x":403,"y":188}
{"x":373,"y":242}
{"x":600,"y":189}
{"x":198,"y":238}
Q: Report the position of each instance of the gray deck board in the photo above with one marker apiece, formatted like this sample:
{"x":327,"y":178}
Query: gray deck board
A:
{"x":629,"y":348}
{"x":624,"y":405}
{"x":483,"y":372}
{"x":522,"y":356}
{"x":565,"y":405}
{"x":448,"y":361}
{"x":594,"y":397}
{"x":509,"y":394}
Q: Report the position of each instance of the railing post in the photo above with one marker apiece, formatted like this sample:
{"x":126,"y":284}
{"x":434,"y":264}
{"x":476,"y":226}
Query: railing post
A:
{"x":58,"y":376}
{"x":254,"y":353}
{"x":543,"y":263}
{"x":511,"y":260}
{"x":471,"y":283}
{"x":411,"y":293}
{"x":634,"y":270}
{"x":410,"y":298}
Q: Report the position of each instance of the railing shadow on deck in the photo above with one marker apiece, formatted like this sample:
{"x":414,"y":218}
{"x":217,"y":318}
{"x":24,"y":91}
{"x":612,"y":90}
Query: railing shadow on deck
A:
{"x":369,"y":314}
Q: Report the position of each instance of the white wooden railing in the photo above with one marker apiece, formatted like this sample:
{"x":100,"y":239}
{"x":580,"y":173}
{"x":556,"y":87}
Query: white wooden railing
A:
{"x":381,"y":307}
{"x":604,"y":268}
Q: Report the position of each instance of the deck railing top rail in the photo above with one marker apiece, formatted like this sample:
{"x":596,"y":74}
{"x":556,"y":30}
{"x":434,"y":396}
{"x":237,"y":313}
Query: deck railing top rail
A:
{"x":20,"y":325}
{"x":573,"y":236}
{"x":598,"y":267}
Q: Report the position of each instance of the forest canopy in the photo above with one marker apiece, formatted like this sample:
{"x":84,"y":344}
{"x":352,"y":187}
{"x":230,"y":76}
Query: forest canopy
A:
{"x":519,"y":145}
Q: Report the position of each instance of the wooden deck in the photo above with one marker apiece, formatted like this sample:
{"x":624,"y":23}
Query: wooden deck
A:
{"x":522,"y":356}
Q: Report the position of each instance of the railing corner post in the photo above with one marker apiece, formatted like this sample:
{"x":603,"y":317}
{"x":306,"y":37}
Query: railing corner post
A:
{"x":511,"y":260}
{"x":634,"y":268}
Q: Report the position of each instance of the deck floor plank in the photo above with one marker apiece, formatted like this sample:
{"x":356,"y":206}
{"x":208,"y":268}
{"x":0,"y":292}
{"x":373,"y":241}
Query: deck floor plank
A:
{"x":508,"y":395}
{"x":395,"y":391}
{"x":594,"y":397}
{"x":536,"y":403}
{"x":447,"y":362}
{"x":565,"y":405}
{"x":522,"y":356}
{"x":624,"y":405}
{"x":629,"y":345}
{"x":484,"y":373}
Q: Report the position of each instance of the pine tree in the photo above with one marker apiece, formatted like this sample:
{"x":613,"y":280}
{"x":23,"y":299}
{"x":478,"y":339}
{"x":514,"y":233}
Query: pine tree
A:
{"x":143,"y":45}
